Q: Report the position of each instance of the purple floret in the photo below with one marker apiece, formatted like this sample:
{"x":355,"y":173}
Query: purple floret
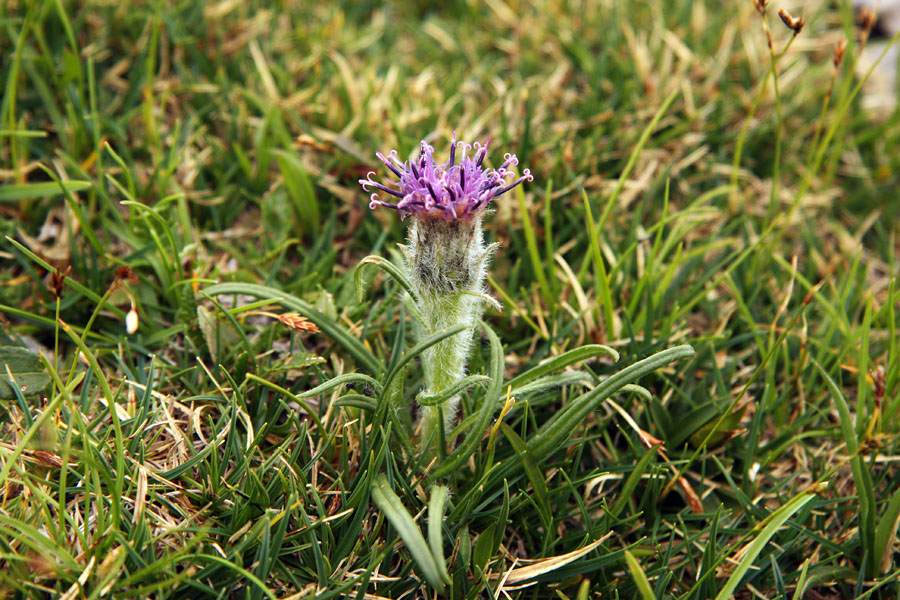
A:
{"x":446,"y":190}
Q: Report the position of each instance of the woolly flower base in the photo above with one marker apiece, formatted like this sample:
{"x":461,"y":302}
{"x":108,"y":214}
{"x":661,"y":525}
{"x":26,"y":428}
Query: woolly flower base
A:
{"x":447,"y":263}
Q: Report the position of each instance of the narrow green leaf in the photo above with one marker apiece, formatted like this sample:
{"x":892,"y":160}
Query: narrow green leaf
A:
{"x":340,"y":335}
{"x":342,"y":380}
{"x":531,"y":241}
{"x":601,"y":278}
{"x":553,"y":381}
{"x":640,"y":578}
{"x":439,"y":496}
{"x":418,"y":349}
{"x":23,"y":191}
{"x":562,"y":361}
{"x":800,"y":590}
{"x":481,"y":554}
{"x":357,"y":401}
{"x":300,"y":188}
{"x":886,"y":533}
{"x":552,"y":435}
{"x":631,"y":483}
{"x":386,"y":266}
{"x":389,"y":503}
{"x":632,"y":159}
{"x":633,"y":388}
{"x":502,"y":518}
{"x":424,"y":399}
{"x":535,"y":475}
{"x":778,"y":518}
{"x":862,"y":477}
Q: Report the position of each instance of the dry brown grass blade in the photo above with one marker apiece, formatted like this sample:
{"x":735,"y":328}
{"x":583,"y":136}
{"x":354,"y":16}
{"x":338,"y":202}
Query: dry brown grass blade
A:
{"x":545,"y":565}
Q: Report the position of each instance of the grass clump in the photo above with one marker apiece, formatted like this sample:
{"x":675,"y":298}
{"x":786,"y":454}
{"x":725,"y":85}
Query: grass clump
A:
{"x":704,"y":179}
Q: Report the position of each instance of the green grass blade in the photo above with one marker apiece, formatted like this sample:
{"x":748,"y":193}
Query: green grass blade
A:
{"x":632,"y":159}
{"x":345,"y":379}
{"x":531,"y":240}
{"x":300,"y":189}
{"x":418,"y":349}
{"x":601,"y":279}
{"x":340,"y":335}
{"x":460,"y":386}
{"x":386,"y":266}
{"x":631,"y":483}
{"x":886,"y":533}
{"x":554,"y":432}
{"x":771,"y":525}
{"x":389,"y":504}
{"x":27,"y":191}
{"x":640,"y":578}
{"x":562,"y":361}
{"x":440,"y":495}
{"x":862,"y":477}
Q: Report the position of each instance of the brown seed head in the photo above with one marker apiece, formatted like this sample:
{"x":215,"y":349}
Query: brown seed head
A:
{"x":839,"y":51}
{"x":58,"y":281}
{"x":866,"y":20}
{"x":796,"y":25}
{"x":298,"y":322}
{"x":760,"y":6}
{"x":124,"y":273}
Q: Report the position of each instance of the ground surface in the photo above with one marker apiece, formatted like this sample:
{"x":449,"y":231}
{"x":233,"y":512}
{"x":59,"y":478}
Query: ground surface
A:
{"x":195,"y":166}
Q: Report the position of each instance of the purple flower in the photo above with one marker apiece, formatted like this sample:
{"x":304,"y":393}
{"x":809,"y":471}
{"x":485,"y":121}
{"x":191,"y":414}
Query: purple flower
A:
{"x":446,"y":190}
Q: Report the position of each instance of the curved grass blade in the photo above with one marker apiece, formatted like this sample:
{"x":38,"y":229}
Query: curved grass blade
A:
{"x":341,"y":380}
{"x":24,"y":191}
{"x":357,"y":401}
{"x":772,"y":524}
{"x":640,"y":578}
{"x":458,"y":387}
{"x":439,"y":496}
{"x":562,"y":361}
{"x":340,"y":335}
{"x":560,"y":426}
{"x":386,"y":266}
{"x":389,"y":503}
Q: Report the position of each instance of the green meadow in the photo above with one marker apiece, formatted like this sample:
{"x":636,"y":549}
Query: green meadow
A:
{"x":209,"y":365}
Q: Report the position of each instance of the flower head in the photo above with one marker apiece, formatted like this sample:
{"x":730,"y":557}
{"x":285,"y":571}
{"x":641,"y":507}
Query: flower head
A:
{"x":448,"y":190}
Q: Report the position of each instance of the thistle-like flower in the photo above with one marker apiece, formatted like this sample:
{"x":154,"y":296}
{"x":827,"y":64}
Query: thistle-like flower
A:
{"x":448,"y":190}
{"x":446,"y":257}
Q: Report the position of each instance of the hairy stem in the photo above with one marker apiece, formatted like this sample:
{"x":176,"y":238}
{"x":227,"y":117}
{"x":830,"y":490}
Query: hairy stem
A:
{"x":447,"y":261}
